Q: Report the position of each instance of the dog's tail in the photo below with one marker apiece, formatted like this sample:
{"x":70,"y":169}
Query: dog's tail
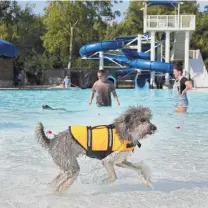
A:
{"x":41,"y":137}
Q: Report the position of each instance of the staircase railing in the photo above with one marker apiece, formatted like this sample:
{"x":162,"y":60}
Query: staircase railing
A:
{"x":169,"y":22}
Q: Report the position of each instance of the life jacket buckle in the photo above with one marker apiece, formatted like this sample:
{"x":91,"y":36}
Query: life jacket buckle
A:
{"x":112,"y":126}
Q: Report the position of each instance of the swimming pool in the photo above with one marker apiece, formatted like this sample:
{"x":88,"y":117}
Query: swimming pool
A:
{"x":177,"y":157}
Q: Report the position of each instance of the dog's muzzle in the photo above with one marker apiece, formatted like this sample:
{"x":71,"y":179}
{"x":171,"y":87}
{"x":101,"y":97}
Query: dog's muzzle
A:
{"x":153,"y":129}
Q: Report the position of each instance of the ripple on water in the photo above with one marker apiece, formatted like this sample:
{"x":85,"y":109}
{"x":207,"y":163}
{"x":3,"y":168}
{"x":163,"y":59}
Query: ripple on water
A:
{"x":178,"y":157}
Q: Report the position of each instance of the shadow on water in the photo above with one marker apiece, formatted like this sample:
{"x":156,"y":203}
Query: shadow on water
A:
{"x":166,"y":186}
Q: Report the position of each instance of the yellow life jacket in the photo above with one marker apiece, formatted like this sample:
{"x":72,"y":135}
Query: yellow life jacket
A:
{"x":99,"y":141}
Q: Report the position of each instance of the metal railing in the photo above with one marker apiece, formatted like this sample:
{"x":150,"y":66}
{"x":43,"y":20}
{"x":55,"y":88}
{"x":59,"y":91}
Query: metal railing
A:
{"x":169,"y":22}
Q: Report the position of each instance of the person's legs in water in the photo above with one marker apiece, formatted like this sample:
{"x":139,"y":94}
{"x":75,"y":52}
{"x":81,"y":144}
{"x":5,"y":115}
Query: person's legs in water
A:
{"x":182,"y":105}
{"x":181,"y":109}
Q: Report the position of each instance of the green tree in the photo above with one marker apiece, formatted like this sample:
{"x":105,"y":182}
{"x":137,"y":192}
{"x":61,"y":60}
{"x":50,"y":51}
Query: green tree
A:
{"x":70,"y":24}
{"x":4,"y":5}
{"x":23,"y":28}
{"x":200,"y":35}
{"x":206,"y":9}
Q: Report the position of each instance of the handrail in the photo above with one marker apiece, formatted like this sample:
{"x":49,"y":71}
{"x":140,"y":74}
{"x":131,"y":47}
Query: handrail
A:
{"x":169,"y":22}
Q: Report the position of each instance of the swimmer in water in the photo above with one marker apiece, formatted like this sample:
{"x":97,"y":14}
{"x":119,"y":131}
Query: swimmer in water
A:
{"x":47,"y":107}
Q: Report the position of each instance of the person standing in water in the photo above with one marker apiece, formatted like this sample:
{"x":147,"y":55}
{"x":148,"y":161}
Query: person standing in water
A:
{"x":103,"y":89}
{"x":180,"y":88}
{"x":67,"y":82}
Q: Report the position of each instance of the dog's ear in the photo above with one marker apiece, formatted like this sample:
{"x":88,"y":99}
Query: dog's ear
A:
{"x":127,"y":119}
{"x":148,"y":113}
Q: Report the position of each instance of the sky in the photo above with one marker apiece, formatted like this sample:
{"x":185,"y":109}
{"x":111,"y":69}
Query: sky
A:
{"x":39,"y":6}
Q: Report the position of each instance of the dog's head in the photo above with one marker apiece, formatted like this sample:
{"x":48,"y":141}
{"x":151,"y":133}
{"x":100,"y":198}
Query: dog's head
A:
{"x":134,"y":123}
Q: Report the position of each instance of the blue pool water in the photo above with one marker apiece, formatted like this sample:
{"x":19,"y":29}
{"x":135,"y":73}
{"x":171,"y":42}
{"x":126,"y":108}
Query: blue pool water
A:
{"x":177,"y":157}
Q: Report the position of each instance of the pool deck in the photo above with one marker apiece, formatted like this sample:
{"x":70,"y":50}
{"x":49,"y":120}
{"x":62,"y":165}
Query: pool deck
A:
{"x":204,"y":90}
{"x":33,"y":87}
{"x":51,"y":87}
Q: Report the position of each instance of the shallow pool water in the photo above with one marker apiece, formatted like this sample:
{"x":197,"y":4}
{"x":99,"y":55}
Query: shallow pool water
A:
{"x":177,"y":157}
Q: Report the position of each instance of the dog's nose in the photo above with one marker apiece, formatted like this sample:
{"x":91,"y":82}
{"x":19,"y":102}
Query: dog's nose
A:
{"x":154,"y":128}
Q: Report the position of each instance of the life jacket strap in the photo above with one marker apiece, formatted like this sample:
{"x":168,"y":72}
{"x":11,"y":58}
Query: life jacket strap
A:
{"x":110,"y":139}
{"x":112,"y":126}
{"x":89,"y":138}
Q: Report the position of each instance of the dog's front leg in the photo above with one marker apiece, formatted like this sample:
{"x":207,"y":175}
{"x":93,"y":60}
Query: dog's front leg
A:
{"x":57,"y":179}
{"x":145,"y":172}
{"x":110,"y":169}
{"x":109,"y":162}
{"x":141,"y":168}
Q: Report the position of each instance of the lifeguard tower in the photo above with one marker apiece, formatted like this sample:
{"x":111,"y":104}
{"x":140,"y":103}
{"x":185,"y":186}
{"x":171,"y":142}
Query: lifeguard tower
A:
{"x":180,"y":25}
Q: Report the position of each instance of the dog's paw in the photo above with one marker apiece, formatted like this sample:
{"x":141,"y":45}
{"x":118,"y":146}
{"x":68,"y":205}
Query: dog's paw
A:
{"x":146,"y":183}
{"x":108,"y":181}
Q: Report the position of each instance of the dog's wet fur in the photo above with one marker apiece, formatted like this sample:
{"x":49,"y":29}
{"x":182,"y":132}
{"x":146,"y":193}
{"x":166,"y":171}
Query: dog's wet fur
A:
{"x":133,"y":124}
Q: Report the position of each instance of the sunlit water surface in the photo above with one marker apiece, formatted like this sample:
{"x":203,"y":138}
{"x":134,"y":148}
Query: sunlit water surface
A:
{"x":177,"y":157}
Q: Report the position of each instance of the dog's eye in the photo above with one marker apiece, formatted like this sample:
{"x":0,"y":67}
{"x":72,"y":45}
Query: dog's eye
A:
{"x":142,"y":120}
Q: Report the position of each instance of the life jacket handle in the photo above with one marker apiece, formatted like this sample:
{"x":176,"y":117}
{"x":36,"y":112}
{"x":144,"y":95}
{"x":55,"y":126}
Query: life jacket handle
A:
{"x":111,"y":126}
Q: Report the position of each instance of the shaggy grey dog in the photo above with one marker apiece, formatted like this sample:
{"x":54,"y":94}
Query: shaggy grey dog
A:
{"x":133,"y":125}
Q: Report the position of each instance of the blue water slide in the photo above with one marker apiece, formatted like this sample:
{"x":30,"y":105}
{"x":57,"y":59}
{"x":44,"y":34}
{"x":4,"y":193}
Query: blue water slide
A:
{"x":125,"y":39}
{"x":132,"y":59}
{"x":141,"y":63}
{"x":140,"y":80}
{"x":123,"y":72}
{"x":130,"y":38}
{"x":113,"y":79}
{"x":164,"y":3}
{"x":133,"y":54}
{"x":151,"y":65}
{"x":92,"y":48}
{"x":120,"y":59}
{"x":119,"y":73}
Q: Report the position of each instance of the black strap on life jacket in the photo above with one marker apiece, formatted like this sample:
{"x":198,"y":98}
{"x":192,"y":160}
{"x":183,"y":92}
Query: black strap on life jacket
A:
{"x":112,"y":126}
{"x":110,"y":137}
